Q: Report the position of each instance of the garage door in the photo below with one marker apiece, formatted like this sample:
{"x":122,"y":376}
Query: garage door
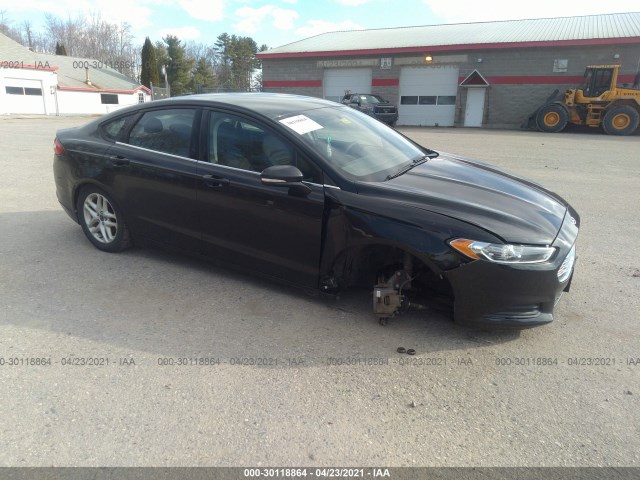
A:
{"x":338,"y":81}
{"x":428,"y":95}
{"x":23,"y":96}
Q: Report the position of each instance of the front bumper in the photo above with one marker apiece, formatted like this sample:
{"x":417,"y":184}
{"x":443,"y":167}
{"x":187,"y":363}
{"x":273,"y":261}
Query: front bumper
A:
{"x":521,"y":296}
{"x":386,"y":117}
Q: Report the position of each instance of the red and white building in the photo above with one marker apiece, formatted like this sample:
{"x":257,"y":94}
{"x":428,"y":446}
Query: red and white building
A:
{"x":35,"y":83}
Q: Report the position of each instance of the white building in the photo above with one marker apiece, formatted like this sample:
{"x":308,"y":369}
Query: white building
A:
{"x":36,"y":83}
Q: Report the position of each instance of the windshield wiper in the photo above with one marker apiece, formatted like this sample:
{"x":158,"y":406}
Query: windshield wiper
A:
{"x":413,"y":163}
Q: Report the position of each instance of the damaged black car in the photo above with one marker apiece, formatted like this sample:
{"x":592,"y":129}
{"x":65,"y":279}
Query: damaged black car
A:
{"x":319,"y":195}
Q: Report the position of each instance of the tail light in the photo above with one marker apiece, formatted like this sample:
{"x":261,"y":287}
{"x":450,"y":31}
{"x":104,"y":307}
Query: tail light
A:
{"x":58,"y":149}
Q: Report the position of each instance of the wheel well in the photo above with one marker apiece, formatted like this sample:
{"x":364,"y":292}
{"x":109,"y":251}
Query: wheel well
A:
{"x":631,"y":102}
{"x":76,"y":194}
{"x":361,"y":267}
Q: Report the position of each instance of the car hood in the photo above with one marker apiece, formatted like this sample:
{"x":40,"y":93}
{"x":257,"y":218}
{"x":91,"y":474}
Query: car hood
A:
{"x":512,"y":208}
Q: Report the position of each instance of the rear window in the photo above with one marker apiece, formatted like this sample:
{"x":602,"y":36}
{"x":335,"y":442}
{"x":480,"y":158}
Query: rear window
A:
{"x":113,"y":130}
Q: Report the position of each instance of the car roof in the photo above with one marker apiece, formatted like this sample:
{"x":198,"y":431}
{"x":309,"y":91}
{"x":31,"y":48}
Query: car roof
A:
{"x":268,"y":104}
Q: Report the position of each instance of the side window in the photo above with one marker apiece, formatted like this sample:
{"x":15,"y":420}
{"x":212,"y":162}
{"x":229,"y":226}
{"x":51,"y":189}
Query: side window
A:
{"x":230,"y":143}
{"x":167,"y":131}
{"x":239,"y":143}
{"x":602,"y":83}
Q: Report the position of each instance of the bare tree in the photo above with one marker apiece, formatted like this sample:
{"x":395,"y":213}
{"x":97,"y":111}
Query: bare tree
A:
{"x":7,"y":29}
{"x":93,"y":37}
{"x":28,"y":34}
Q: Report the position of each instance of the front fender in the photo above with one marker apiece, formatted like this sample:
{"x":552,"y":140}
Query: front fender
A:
{"x":355,"y":222}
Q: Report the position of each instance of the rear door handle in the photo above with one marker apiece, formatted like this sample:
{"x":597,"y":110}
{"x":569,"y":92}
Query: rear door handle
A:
{"x":119,"y":161}
{"x":214,"y":182}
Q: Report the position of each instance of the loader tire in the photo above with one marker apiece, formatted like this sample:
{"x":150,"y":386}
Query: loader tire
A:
{"x":621,"y":120}
{"x":552,"y":118}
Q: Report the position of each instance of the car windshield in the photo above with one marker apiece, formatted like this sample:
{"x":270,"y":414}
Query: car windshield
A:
{"x":370,"y":99}
{"x":359,"y":146}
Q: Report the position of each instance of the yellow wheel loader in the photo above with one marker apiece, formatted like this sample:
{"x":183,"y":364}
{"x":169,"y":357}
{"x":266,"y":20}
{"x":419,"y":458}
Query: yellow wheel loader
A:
{"x":598,"y":101}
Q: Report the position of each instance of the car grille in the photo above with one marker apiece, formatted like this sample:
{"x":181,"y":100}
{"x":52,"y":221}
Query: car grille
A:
{"x":564,"y":272}
{"x":386,"y":110}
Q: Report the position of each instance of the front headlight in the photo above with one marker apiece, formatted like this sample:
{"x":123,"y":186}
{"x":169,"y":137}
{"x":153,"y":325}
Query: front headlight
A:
{"x":500,"y":253}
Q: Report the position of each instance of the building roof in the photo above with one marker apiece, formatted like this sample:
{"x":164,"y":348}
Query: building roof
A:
{"x":72,"y":74}
{"x":12,"y":51}
{"x":71,"y":71}
{"x":585,"y":30}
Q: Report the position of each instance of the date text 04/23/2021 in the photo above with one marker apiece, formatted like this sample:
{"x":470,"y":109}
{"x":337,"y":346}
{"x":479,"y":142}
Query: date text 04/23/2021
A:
{"x":316,"y":472}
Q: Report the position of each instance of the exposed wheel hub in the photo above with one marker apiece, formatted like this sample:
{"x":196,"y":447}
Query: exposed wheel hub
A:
{"x":552,"y":119}
{"x":621,"y":121}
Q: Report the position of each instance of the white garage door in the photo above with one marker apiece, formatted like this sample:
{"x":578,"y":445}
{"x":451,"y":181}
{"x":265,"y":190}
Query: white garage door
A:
{"x":23,"y":96}
{"x":428,"y":95}
{"x":338,"y":81}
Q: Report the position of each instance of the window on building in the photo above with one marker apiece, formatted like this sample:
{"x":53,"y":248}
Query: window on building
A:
{"x":560,"y":65}
{"x":140,"y":97}
{"x":33,"y":91}
{"x":14,"y":90}
{"x":408,"y":100}
{"x":447,"y":100}
{"x":427,"y":100}
{"x":109,"y":99}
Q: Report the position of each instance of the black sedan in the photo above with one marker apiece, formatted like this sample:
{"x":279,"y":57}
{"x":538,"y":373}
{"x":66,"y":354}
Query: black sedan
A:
{"x":319,"y":195}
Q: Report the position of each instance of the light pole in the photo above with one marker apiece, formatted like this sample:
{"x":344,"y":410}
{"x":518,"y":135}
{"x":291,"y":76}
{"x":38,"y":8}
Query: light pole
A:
{"x":166,"y":80}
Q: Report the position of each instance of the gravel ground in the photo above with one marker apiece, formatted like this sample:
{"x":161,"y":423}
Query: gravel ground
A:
{"x":468,"y":398}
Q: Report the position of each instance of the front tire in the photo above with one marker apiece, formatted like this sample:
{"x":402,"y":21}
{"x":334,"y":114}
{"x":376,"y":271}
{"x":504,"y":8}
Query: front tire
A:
{"x":621,"y":120}
{"x":552,"y":118}
{"x":102,"y":221}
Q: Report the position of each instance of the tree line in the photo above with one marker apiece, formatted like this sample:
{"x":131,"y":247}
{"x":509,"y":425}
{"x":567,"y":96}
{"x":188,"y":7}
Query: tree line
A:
{"x":230,"y":64}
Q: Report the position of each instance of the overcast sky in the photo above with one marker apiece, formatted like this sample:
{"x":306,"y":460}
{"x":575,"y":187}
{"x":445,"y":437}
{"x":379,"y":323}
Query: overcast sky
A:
{"x":283,"y":21}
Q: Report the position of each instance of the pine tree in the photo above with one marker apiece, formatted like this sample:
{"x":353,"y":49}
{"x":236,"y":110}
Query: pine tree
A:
{"x":60,"y":50}
{"x":149,"y":73}
{"x":179,"y":66}
{"x":223,"y":47}
{"x":203,"y":77}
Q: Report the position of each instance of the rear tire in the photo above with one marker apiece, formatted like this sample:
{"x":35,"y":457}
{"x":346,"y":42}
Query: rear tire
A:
{"x":621,"y":120}
{"x":552,"y":118}
{"x":101,"y":220}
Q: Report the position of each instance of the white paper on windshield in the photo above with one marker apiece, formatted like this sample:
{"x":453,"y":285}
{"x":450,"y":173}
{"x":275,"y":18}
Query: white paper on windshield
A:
{"x":301,"y":124}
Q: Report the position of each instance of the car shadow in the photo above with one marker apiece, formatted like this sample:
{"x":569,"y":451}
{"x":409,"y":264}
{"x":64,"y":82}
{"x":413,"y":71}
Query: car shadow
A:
{"x":170,"y":305}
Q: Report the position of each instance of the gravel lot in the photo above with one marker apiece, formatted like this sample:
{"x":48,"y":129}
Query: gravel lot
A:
{"x":464,"y":401}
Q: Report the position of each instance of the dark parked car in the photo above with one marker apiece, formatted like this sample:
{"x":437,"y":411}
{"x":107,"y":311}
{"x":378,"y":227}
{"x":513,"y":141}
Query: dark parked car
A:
{"x":373,"y":105}
{"x":319,"y":195}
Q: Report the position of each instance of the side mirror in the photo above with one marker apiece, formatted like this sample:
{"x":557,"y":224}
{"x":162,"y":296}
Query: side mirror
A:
{"x":356,"y":101}
{"x":281,"y":176}
{"x":285,"y":176}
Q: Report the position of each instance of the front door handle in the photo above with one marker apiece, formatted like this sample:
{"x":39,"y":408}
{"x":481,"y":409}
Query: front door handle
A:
{"x":214,"y":182}
{"x":119,"y":161}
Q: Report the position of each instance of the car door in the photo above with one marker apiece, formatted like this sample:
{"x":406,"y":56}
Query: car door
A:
{"x":266,"y":229}
{"x":156,"y":176}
